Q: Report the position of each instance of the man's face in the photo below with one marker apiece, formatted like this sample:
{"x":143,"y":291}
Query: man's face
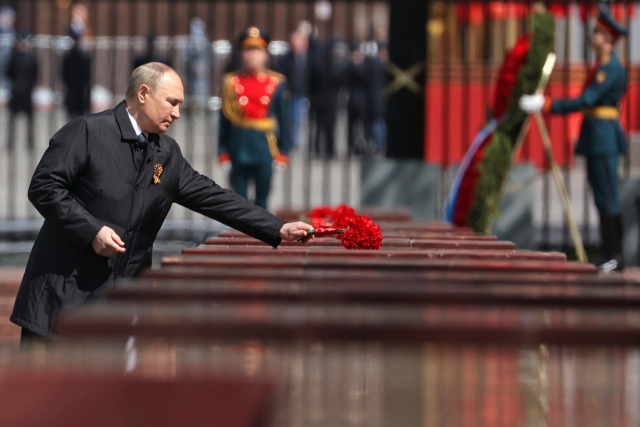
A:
{"x":161,"y":107}
{"x":299,"y":43}
{"x":79,"y":11}
{"x":357,"y":57}
{"x":255,"y":59}
{"x":6,"y":20}
{"x":599,"y":39}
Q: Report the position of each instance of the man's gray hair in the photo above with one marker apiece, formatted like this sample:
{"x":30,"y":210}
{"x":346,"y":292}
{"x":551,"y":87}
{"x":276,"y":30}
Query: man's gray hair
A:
{"x":149,"y":74}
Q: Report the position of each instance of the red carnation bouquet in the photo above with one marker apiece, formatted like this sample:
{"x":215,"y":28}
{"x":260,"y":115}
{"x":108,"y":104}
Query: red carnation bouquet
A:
{"x":355,"y":231}
{"x":342,"y":215}
{"x":362,"y":233}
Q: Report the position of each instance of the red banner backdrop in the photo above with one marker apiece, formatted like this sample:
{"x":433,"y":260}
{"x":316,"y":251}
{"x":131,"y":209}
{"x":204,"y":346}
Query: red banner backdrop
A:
{"x":456,"y":109}
{"x":475,"y":12}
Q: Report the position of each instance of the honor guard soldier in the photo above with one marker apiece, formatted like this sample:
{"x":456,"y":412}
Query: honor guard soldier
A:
{"x":254,"y":130}
{"x":601,"y":138}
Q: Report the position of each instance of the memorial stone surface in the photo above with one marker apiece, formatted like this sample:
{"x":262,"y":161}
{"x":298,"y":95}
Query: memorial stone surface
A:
{"x":441,"y":326}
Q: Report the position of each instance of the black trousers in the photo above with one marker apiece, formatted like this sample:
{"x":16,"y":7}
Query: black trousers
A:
{"x":29,"y":338}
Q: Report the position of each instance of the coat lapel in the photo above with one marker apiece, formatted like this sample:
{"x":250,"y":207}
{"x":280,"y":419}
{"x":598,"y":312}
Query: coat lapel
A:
{"x":126,"y":128}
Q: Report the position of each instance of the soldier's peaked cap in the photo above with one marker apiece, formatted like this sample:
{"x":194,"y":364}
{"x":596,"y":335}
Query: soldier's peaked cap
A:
{"x":608,"y":24}
{"x":254,"y":37}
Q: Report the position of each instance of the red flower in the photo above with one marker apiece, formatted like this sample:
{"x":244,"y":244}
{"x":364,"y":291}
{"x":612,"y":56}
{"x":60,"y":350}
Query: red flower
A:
{"x":514,"y":61}
{"x":341,"y":216}
{"x":362,"y":234}
{"x":323,"y":212}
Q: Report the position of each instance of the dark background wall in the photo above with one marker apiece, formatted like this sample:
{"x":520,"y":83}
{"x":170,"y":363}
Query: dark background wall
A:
{"x":407,"y":46}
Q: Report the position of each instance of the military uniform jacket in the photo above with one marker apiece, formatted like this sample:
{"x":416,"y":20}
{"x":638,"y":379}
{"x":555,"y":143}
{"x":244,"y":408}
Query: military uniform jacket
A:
{"x":605,"y":87}
{"x":86,"y":180}
{"x":254,"y":109}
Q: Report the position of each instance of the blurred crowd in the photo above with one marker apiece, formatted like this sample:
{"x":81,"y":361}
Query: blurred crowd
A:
{"x":325,"y":77}
{"x":19,"y":67}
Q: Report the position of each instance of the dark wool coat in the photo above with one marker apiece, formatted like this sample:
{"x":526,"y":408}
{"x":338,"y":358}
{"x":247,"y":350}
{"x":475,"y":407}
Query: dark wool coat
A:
{"x":86,"y":180}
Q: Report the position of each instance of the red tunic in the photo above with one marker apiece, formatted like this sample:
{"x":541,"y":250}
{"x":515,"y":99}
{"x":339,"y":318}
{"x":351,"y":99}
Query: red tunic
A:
{"x":254,"y":92}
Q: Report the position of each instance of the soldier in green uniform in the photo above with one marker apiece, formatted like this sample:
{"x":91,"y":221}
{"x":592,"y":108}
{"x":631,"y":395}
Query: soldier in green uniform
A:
{"x":254,"y":130}
{"x":601,"y":140}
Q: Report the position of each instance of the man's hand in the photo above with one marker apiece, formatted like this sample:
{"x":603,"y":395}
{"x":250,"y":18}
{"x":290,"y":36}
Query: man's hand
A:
{"x":107,"y":243}
{"x":295,"y":230}
{"x":531,"y":103}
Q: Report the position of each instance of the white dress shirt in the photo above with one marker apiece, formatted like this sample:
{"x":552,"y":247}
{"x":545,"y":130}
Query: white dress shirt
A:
{"x":136,"y":126}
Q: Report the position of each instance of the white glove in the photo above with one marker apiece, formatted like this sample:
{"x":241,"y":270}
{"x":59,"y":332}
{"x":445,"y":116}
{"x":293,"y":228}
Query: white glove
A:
{"x":281,"y":162}
{"x":531,"y":103}
{"x":279,"y":165}
{"x":226,"y":166}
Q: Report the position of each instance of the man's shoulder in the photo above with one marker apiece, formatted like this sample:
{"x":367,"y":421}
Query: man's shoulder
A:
{"x":87,"y":123}
{"x":169,"y":144}
{"x":89,"y":119}
{"x":109,"y":113}
{"x":97,"y":121}
{"x":228,"y":77}
{"x":272,"y":73}
{"x":276,"y":77}
{"x":611,"y":63}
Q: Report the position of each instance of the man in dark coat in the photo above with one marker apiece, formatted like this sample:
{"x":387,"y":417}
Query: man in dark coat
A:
{"x":378,"y":105}
{"x":295,"y":67}
{"x":104,"y":186}
{"x":327,"y":76}
{"x":23,"y":73}
{"x":76,"y":74}
{"x":359,"y":100}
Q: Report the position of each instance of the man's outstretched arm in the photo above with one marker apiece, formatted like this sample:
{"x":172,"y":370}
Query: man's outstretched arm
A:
{"x":203,"y":195}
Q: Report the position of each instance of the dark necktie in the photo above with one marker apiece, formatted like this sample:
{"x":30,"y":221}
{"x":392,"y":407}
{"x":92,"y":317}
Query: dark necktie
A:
{"x":142,"y":142}
{"x":141,"y":150}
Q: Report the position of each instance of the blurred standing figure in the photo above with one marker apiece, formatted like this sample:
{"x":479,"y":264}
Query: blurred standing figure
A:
{"x":378,"y":104}
{"x":198,"y":59}
{"x":296,"y":69}
{"x":327,"y":77}
{"x":7,"y":39}
{"x":76,"y":74}
{"x":254,"y":107}
{"x":22,"y":71}
{"x":150,"y":54}
{"x":358,"y":106}
{"x":602,"y":139}
{"x":79,"y":25}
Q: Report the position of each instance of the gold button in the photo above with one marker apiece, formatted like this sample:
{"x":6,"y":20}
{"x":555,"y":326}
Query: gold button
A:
{"x":243,"y":100}
{"x":265,"y":100}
